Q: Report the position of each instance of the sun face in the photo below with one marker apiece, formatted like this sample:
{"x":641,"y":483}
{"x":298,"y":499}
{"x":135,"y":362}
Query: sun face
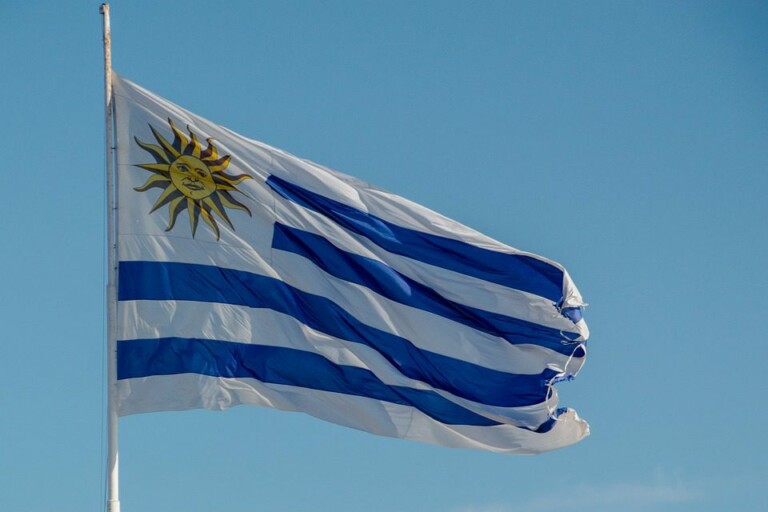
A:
{"x":192,"y":179}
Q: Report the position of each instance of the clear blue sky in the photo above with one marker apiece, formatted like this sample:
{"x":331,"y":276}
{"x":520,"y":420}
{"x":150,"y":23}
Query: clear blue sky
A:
{"x":627,"y":140}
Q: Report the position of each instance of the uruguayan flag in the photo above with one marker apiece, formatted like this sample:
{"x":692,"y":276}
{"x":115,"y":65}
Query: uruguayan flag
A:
{"x":250,"y":276}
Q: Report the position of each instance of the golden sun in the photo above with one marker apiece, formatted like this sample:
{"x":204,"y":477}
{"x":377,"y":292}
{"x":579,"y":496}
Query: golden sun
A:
{"x":192,"y":179}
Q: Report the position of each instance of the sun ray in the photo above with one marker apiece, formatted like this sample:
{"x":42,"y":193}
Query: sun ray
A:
{"x":231,"y":180}
{"x":179,"y":139}
{"x":193,"y":148}
{"x":168,"y":194}
{"x":194,"y":214}
{"x":221,"y":186}
{"x":155,"y":151}
{"x":167,"y":146}
{"x":175,"y":207}
{"x":208,"y":218}
{"x":230,"y":202}
{"x":156,"y":168}
{"x":220,"y":164}
{"x":214,"y":205}
{"x":210,"y":153}
{"x":154,"y":181}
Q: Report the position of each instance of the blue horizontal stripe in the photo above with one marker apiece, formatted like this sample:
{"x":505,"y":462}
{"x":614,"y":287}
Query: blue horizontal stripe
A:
{"x":389,"y":283}
{"x":180,"y":281}
{"x":516,"y":271}
{"x":278,"y":365}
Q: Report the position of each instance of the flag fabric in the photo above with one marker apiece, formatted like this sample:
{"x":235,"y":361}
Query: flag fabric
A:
{"x":247,"y":275}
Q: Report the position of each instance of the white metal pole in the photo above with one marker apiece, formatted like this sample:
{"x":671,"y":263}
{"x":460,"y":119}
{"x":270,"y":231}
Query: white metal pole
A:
{"x":113,"y":494}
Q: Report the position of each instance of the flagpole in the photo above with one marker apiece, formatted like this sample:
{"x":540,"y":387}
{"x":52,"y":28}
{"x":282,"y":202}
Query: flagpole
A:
{"x":113,"y":494}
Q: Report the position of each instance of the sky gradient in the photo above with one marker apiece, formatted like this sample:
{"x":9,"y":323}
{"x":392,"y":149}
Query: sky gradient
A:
{"x":626,"y":140}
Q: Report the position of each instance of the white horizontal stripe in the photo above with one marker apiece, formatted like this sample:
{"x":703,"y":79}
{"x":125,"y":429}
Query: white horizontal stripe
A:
{"x":191,"y":391}
{"x":224,"y":322}
{"x":186,"y":250}
{"x":240,"y":324}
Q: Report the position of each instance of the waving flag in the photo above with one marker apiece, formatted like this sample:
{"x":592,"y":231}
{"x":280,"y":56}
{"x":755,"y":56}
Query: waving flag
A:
{"x":250,"y":276}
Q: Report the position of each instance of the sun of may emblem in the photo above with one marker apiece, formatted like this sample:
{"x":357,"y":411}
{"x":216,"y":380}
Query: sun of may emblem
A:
{"x":192,"y":179}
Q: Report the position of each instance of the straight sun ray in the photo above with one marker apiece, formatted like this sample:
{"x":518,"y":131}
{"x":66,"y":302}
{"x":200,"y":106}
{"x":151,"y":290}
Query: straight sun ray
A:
{"x":211,"y":204}
{"x":175,"y":207}
{"x":168,"y":194}
{"x":208,"y":218}
{"x":194,"y":214}
{"x":159,"y":168}
{"x":155,"y":151}
{"x":167,"y":146}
